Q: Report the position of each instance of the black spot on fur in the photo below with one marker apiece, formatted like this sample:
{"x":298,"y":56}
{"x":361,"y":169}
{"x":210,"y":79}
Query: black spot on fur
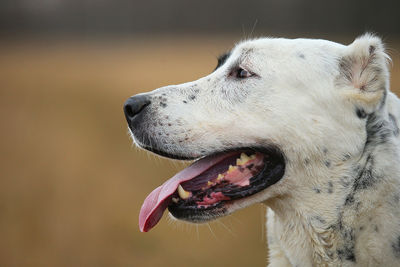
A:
{"x":346,"y":157}
{"x":358,"y":205}
{"x":371,"y":49}
{"x":349,"y":200}
{"x":184,"y":101}
{"x":366,"y":178}
{"x":307,"y":161}
{"x":321,"y":220}
{"x":376,"y":228}
{"x":302,"y":56}
{"x":162,"y":104}
{"x":347,"y":254}
{"x":325,"y":150}
{"x":383,"y":100}
{"x":222,"y":59}
{"x":346,"y":251}
{"x":330,"y":187}
{"x":361,"y":228}
{"x":327,"y":163}
{"x":394,"y":123}
{"x":345,"y":181}
{"x":317,"y":190}
{"x":396,"y":247}
{"x":365,"y":175}
{"x":378,"y":130}
{"x":192,"y":97}
{"x":361,"y":113}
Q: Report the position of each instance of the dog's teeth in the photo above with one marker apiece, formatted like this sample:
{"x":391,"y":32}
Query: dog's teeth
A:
{"x":243,"y":159}
{"x":183,"y":193}
{"x":220,"y":177}
{"x":209,"y":183}
{"x":231,"y":168}
{"x":175,"y":200}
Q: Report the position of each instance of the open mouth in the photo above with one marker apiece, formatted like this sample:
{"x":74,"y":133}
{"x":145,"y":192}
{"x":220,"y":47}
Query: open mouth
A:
{"x":202,"y":191}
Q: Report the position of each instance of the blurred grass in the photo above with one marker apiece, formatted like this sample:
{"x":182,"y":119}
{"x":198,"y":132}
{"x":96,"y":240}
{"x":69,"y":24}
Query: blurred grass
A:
{"x":71,"y":182}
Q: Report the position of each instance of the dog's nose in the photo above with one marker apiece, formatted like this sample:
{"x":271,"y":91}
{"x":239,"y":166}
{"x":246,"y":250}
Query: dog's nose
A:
{"x":134,"y":105}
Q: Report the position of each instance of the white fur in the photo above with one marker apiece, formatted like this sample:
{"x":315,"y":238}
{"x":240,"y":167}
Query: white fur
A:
{"x":303,"y":99}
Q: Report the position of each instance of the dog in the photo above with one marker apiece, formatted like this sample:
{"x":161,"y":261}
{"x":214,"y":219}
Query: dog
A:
{"x":308,"y":127}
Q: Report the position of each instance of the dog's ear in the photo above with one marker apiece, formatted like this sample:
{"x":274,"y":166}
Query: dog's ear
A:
{"x":363,"y":72}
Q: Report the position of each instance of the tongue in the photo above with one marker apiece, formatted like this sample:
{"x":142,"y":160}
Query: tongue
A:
{"x":157,"y":201}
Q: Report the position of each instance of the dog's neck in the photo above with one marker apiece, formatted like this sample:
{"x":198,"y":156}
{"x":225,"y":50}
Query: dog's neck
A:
{"x":355,"y":199}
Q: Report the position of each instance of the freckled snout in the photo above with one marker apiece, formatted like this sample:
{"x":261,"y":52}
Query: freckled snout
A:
{"x":134,"y":107}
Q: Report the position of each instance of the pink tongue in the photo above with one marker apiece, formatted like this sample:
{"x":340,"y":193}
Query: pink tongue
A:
{"x":157,"y":201}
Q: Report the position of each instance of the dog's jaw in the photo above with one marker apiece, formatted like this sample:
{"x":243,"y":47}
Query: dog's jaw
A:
{"x":211,"y":186}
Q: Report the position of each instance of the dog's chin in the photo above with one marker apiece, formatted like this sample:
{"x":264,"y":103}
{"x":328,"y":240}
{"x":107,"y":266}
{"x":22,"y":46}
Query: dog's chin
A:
{"x":162,"y":153}
{"x":146,"y":142}
{"x":244,"y":172}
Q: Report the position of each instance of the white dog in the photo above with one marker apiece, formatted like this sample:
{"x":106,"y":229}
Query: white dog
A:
{"x":307,"y":127}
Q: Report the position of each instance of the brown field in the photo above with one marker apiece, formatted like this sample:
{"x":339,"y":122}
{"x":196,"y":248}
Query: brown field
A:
{"x":71,"y":182}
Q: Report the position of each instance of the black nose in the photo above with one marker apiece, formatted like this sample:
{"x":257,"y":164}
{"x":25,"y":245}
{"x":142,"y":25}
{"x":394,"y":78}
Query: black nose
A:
{"x":134,"y":105}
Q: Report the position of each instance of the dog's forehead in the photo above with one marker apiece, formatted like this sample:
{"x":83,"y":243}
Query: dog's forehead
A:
{"x":283,"y":46}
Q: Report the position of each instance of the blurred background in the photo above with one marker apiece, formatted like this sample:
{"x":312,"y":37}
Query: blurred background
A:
{"x":71,"y":181}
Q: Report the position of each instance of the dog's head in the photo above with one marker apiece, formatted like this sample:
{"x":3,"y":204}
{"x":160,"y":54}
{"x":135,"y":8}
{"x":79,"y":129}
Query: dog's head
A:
{"x":276,"y":110}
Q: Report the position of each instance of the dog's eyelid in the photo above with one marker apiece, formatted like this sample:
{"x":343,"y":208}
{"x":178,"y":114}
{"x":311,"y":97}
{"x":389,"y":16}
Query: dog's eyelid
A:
{"x":240,"y":72}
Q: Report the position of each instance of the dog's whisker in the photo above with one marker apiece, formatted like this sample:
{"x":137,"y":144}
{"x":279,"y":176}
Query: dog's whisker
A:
{"x":243,"y":31}
{"x":209,"y":227}
{"x":227,"y":228}
{"x":262,"y":219}
{"x":254,"y":27}
{"x":197,"y":232}
{"x":235,"y":218}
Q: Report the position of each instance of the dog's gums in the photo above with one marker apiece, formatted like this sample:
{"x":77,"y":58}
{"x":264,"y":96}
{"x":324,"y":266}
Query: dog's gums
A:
{"x":209,"y":188}
{"x":200,"y":192}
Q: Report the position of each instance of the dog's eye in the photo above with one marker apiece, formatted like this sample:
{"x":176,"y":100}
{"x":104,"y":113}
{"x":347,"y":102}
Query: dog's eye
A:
{"x":241,"y":73}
